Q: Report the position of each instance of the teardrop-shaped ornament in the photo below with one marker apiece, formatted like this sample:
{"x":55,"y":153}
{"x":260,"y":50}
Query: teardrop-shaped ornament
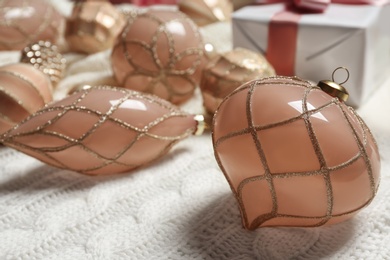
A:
{"x":102,"y":130}
{"x":294,"y":154}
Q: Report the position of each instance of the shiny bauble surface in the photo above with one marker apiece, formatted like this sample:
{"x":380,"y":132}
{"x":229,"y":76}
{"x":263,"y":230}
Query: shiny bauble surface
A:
{"x":293,"y":155}
{"x":101,"y":130}
{"x":23,"y":90}
{"x":159,"y":52}
{"x":26,"y":21}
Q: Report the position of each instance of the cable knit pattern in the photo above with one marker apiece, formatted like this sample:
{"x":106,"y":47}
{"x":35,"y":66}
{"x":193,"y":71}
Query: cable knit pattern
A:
{"x":180,"y":207}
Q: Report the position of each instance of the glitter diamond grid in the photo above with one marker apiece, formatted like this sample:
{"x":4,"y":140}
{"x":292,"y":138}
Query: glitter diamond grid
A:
{"x":266,"y":182}
{"x":57,"y":130}
{"x":166,"y":79}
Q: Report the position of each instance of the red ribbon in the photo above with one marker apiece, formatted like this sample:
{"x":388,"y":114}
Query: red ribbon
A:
{"x":283,"y":29}
{"x":282,"y":42}
{"x":145,"y":2}
{"x":312,"y":6}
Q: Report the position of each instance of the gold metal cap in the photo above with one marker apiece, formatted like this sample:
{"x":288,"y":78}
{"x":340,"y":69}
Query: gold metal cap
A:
{"x":335,"y":89}
{"x":201,"y":125}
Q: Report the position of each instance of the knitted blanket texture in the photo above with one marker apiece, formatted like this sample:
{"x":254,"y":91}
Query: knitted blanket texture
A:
{"x":180,"y":207}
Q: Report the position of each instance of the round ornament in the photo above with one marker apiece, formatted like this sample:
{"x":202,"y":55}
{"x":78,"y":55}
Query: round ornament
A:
{"x":25,"y":21}
{"x":93,"y":26}
{"x":117,"y":130}
{"x":24,"y":89}
{"x":204,"y":12}
{"x":225,"y":72}
{"x":294,"y":155}
{"x":45,"y":56}
{"x":159,"y":52}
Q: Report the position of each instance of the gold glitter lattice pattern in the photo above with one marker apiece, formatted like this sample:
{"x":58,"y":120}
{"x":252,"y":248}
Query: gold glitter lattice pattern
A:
{"x":27,"y":21}
{"x":294,"y":156}
{"x":101,"y":130}
{"x":159,"y":52}
{"x":226,"y":72}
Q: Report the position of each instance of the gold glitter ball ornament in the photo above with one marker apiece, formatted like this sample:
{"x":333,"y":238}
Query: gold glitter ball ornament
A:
{"x":159,"y":52}
{"x":93,"y":26}
{"x":224,"y":73}
{"x":45,"y":56}
{"x":294,"y":155}
{"x":25,"y":21}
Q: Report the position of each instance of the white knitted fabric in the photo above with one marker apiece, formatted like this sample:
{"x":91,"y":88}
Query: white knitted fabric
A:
{"x":180,"y":207}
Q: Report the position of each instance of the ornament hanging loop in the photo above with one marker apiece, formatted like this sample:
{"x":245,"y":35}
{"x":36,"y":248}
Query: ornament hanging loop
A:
{"x":346,"y":70}
{"x":335,"y":89}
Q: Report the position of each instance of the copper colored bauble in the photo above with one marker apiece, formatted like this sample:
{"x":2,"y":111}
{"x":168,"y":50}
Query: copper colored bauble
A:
{"x":25,"y":21}
{"x":224,"y":73}
{"x":204,"y":12}
{"x":159,"y":52}
{"x":102,"y":130}
{"x":237,"y":4}
{"x":294,"y":155}
{"x":45,"y":56}
{"x":23,"y":90}
{"x":93,"y":26}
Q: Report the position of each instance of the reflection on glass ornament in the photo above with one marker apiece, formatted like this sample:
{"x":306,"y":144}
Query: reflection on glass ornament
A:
{"x":117,"y":130}
{"x":293,"y":154}
{"x":225,"y":72}
{"x":25,"y":21}
{"x":93,"y":26}
{"x":159,"y":52}
{"x":24,"y":89}
{"x":204,"y":12}
{"x":45,"y":56}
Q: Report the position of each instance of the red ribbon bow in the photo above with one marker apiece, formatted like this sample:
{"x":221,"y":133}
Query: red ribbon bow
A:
{"x":302,"y":5}
{"x":315,"y":6}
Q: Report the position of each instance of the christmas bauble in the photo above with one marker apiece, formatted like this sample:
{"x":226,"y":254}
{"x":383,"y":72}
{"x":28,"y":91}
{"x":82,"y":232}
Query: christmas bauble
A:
{"x":225,"y":72}
{"x":24,"y":89}
{"x":159,"y":52}
{"x":93,"y":26}
{"x":294,"y":155}
{"x":45,"y":56}
{"x":25,"y":21}
{"x":204,"y":12}
{"x":102,"y":130}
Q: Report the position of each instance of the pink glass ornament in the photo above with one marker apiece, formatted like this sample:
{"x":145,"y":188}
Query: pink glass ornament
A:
{"x":26,"y":21}
{"x":225,"y":72}
{"x":293,"y":155}
{"x":159,"y":52}
{"x":204,"y":12}
{"x":102,"y":130}
{"x":93,"y":26}
{"x":23,"y":90}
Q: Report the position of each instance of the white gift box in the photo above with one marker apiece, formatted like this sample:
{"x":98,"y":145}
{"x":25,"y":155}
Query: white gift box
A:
{"x":354,"y":36}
